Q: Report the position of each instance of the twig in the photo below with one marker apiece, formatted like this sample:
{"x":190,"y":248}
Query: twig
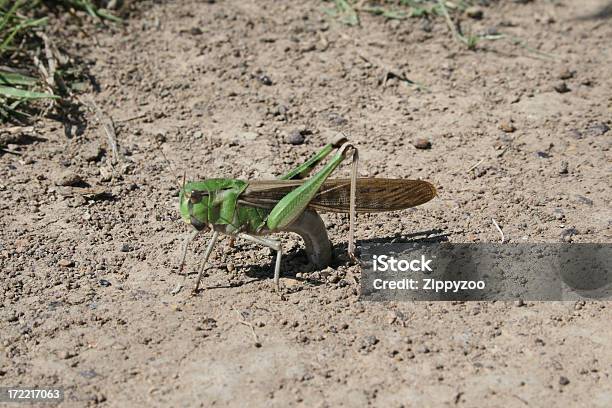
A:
{"x":51,"y":62}
{"x":247,"y":324}
{"x":54,"y":59}
{"x":17,"y":130}
{"x":43,"y":71}
{"x":11,"y":151}
{"x":48,"y":81}
{"x":503,"y":239}
{"x":131,"y":118}
{"x":476,"y":165}
{"x":500,"y":154}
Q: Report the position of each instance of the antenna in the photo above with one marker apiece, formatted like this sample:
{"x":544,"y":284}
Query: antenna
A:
{"x":172,"y":169}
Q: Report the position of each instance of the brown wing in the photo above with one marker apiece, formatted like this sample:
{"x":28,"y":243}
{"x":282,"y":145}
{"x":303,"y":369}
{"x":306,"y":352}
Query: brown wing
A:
{"x":373,"y":194}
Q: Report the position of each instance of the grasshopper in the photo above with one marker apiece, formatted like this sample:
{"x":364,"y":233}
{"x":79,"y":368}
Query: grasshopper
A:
{"x":251,"y":210}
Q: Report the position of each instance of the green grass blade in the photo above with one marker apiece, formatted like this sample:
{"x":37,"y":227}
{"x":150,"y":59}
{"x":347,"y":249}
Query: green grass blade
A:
{"x":348,"y":13}
{"x":19,"y":27}
{"x":12,"y":78}
{"x":15,"y":93}
{"x":9,"y":15}
{"x":90,"y":9}
{"x":108,"y":16}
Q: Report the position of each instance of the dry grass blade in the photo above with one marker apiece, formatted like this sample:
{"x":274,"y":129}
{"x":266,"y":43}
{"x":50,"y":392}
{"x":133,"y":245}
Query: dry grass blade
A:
{"x":21,"y":30}
{"x":503,"y":238}
{"x":109,"y":129}
{"x":388,"y":72}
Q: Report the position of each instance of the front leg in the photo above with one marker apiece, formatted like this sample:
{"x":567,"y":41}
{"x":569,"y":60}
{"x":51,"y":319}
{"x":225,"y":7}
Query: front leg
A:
{"x":209,"y":249}
{"x":191,"y":237}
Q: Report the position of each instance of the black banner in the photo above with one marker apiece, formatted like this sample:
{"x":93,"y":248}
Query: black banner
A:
{"x":448,"y":271}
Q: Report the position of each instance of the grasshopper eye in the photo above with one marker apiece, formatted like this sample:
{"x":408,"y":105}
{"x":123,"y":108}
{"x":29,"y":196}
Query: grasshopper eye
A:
{"x":196,"y":196}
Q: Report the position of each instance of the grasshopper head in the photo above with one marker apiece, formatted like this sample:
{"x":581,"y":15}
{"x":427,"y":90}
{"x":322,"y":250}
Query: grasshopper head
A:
{"x":202,"y":202}
{"x":193,"y":204}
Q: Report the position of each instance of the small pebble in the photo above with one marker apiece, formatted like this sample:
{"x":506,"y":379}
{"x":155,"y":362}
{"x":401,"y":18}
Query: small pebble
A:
{"x":247,"y":136}
{"x":568,"y":233}
{"x":106,"y":173}
{"x":422,"y":143}
{"x":583,"y":200}
{"x":265,"y":80}
{"x":423,"y":349}
{"x":160,"y":137}
{"x":104,"y":283}
{"x":563,"y":167}
{"x":334,"y":278}
{"x":566,"y":74}
{"x":597,"y":129}
{"x":343,"y":283}
{"x":88,"y":374}
{"x":69,"y":179}
{"x":563,"y":380}
{"x":474,"y":12}
{"x":65,"y":263}
{"x":337,"y":120}
{"x":295,"y":137}
{"x":507,"y":126}
{"x":281,"y":110}
{"x":92,"y":153}
{"x":561,"y":87}
{"x":125,"y":247}
{"x":65,"y":355}
{"x":369,"y":341}
{"x":576,"y":134}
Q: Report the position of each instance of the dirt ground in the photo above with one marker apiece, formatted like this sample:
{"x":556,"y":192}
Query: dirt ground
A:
{"x":517,"y":136}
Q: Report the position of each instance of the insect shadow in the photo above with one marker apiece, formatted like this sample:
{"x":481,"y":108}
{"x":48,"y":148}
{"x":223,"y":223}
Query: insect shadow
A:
{"x":296,"y":260}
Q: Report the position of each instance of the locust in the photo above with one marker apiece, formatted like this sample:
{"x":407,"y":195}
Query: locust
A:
{"x":255,"y":209}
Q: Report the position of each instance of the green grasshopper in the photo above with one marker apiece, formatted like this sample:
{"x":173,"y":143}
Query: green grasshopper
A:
{"x":252,"y":209}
